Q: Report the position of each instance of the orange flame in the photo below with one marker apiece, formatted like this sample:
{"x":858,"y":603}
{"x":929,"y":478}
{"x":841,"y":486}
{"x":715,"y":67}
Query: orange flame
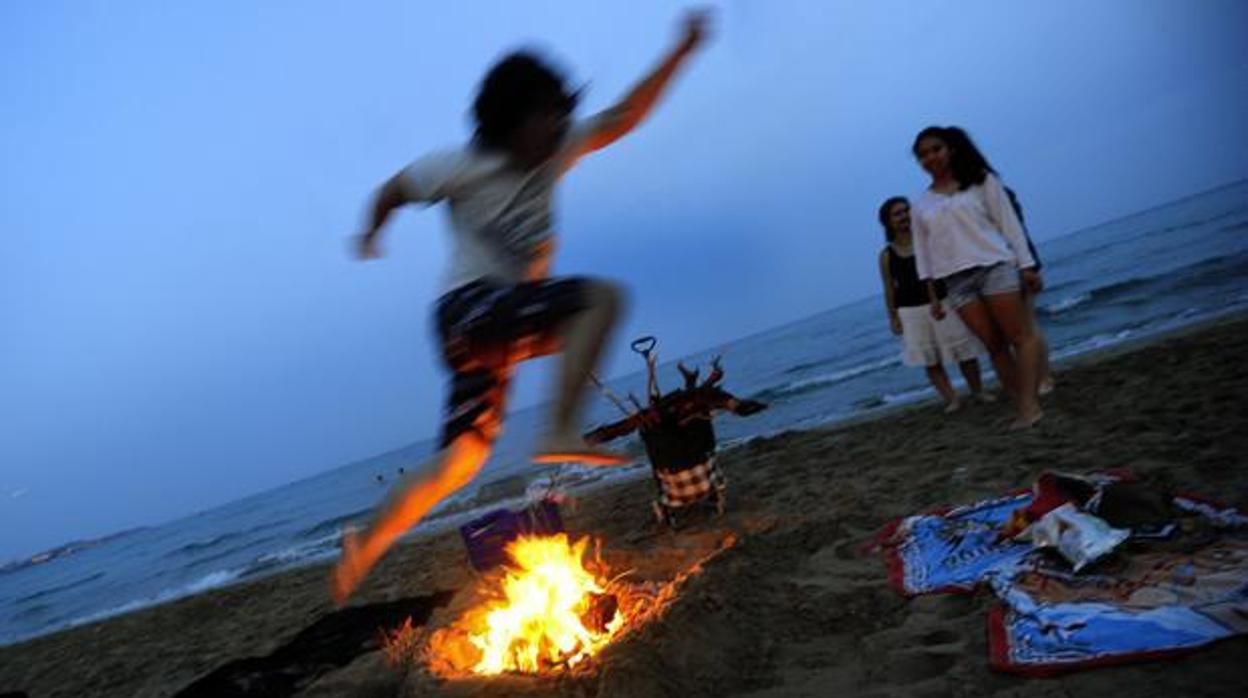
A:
{"x":551,"y":612}
{"x":541,"y":621}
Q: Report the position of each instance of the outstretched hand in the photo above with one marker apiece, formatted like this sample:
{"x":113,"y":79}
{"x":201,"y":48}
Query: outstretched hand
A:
{"x":366,"y":247}
{"x":695,"y":28}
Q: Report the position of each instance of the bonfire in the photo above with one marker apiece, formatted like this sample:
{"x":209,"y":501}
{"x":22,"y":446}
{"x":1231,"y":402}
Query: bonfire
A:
{"x":552,"y":611}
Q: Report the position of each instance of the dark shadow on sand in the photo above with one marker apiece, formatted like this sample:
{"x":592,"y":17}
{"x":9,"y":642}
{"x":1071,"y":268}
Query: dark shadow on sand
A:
{"x":333,"y":641}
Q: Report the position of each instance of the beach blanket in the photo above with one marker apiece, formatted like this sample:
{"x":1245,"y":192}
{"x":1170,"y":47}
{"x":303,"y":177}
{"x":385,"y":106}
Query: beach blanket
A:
{"x":1155,"y":599}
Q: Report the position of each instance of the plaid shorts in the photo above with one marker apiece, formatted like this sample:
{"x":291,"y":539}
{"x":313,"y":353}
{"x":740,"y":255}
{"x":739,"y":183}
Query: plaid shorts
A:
{"x":689,"y":486}
{"x":485,"y":329}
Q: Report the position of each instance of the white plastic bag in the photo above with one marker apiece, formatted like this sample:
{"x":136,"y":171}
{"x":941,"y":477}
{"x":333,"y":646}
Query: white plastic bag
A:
{"x":1079,"y":536}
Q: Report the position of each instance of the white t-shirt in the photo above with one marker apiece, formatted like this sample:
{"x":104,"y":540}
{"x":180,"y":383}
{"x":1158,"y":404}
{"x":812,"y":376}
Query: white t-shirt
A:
{"x":976,"y":227}
{"x":502,"y":222}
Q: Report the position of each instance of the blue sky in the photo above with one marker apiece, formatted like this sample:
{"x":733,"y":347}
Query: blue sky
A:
{"x":183,"y":326}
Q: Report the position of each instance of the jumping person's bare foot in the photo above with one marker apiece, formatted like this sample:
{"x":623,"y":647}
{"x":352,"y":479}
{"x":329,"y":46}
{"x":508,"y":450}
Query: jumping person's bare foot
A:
{"x":571,"y":448}
{"x":350,"y":570}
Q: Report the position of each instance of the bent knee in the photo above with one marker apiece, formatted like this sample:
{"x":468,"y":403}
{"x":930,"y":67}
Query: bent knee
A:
{"x":607,"y":296}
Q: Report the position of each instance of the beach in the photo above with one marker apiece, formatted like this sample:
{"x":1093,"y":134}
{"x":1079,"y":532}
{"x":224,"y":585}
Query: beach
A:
{"x":789,"y":597}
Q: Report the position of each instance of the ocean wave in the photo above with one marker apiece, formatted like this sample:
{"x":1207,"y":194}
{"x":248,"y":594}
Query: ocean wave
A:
{"x":1202,"y":274}
{"x":267,"y":525}
{"x":320,"y":549}
{"x":807,"y":365}
{"x":1118,"y":289}
{"x":878,"y":400}
{"x":1093,"y":343}
{"x":42,"y":593}
{"x":334,"y":525}
{"x":809,"y":385}
{"x":1064,"y":303}
{"x":234,"y":550}
{"x":30,"y":613}
{"x":197,"y":546}
{"x":1147,"y":328}
{"x":212,"y":580}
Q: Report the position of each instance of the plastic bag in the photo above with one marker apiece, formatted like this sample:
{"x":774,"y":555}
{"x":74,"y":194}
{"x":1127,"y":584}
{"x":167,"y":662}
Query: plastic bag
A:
{"x":1080,"y":537}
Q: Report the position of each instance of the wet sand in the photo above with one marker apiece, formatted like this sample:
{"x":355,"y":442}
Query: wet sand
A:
{"x":788,"y":601}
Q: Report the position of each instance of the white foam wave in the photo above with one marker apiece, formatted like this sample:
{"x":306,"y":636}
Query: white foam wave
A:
{"x":1093,"y":343}
{"x":1065,"y":303}
{"x":212,"y":580}
{"x":827,"y":379}
{"x":312,"y":551}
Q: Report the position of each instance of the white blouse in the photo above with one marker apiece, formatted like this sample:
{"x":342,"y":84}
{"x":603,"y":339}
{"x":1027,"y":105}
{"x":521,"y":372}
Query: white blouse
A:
{"x":976,"y":227}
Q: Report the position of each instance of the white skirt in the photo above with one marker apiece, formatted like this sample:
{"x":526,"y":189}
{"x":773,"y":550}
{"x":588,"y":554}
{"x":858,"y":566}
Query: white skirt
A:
{"x":927,"y":342}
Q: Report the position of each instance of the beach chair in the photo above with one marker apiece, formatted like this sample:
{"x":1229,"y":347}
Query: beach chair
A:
{"x":678,"y":434}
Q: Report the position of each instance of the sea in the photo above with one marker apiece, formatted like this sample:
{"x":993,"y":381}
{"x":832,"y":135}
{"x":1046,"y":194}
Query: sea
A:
{"x":1123,"y":281}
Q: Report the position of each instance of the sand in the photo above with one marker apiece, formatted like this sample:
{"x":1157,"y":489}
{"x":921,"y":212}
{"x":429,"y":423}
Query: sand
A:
{"x":788,"y":601}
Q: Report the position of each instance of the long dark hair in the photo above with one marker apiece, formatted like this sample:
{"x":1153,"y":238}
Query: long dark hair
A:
{"x":885,"y":209}
{"x":969,"y":165}
{"x":518,"y":86}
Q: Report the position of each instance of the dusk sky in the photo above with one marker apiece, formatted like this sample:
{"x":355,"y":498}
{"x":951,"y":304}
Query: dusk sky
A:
{"x":183,"y":325}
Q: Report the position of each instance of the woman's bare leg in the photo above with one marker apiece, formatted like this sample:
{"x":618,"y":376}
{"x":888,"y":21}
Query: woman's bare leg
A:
{"x":1009,"y":314}
{"x":970,"y":371}
{"x":977,"y":318}
{"x":940,"y":381}
{"x":1044,"y":372}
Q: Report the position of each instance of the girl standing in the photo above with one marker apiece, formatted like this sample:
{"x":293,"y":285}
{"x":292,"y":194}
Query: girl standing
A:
{"x":967,"y":235}
{"x":926,"y":341}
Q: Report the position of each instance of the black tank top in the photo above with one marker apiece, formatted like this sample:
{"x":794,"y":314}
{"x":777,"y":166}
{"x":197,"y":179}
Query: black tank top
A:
{"x":908,"y":290}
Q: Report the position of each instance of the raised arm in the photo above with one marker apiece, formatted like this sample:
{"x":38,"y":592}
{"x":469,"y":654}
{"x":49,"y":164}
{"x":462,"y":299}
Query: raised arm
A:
{"x":618,"y":120}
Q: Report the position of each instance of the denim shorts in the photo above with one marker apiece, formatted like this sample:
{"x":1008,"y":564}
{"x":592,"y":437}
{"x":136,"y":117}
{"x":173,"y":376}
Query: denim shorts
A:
{"x":975,"y":283}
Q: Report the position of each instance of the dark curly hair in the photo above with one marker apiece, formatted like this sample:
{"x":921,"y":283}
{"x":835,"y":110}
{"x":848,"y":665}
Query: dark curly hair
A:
{"x":517,"y":87}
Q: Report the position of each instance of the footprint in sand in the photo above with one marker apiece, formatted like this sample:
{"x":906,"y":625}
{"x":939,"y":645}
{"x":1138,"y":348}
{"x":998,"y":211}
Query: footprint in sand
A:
{"x":921,"y":663}
{"x":939,"y":637}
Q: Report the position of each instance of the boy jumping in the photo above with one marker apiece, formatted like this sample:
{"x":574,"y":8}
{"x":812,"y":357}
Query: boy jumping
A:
{"x":499,"y":306}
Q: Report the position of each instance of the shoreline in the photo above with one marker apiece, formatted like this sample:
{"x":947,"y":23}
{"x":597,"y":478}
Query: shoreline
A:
{"x":446,"y":523}
{"x":803,"y":503}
